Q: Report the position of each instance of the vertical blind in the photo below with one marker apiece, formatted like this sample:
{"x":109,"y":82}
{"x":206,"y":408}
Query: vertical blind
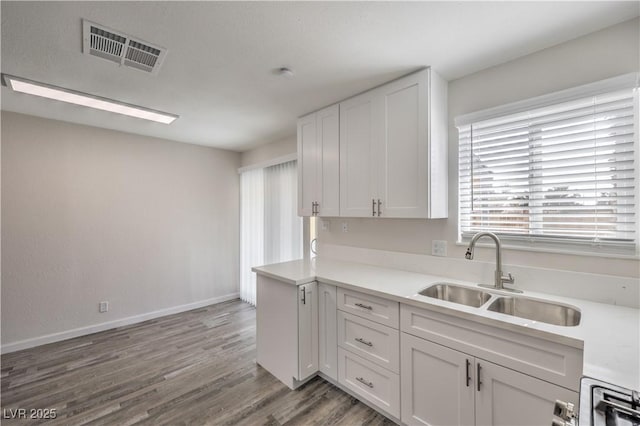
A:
{"x":270,"y":228}
{"x":564,"y":172}
{"x":251,"y":231}
{"x":283,"y":226}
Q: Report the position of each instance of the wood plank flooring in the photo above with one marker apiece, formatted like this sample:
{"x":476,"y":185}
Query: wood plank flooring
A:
{"x":192,"y":368}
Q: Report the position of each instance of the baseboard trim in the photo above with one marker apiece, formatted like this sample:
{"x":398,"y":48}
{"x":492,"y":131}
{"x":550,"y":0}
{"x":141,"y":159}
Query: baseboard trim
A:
{"x":83,"y":331}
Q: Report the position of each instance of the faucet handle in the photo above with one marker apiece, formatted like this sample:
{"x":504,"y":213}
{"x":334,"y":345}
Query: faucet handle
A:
{"x":508,"y":279}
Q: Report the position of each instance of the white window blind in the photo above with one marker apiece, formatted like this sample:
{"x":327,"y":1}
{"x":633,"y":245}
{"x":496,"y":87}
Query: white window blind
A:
{"x":558,"y":174}
{"x":270,"y":229}
{"x":251,"y":231}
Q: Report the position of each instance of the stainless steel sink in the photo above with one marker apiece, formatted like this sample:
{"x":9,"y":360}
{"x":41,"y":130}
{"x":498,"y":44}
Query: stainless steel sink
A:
{"x":457,"y":294}
{"x":547,"y":312}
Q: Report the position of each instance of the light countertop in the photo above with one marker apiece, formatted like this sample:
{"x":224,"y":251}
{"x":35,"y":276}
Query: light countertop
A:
{"x":609,"y":335}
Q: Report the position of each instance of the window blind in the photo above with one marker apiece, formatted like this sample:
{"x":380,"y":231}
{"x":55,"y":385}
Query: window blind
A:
{"x":562,"y":173}
{"x":270,"y":229}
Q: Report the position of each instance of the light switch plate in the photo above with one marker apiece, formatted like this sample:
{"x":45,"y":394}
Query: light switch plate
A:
{"x":345,"y":227}
{"x":324,"y":224}
{"x":438,"y":247}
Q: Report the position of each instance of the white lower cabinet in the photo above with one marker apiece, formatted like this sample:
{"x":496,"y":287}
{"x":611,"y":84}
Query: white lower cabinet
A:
{"x":287,"y":329}
{"x":413,"y":364}
{"x":378,"y":386}
{"x":435,"y":390}
{"x":443,"y":386}
{"x":370,"y":340}
{"x":327,"y":328}
{"x":510,"y":398}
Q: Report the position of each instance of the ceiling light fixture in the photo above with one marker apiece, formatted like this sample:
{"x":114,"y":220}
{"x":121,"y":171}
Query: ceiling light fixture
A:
{"x":35,"y":88}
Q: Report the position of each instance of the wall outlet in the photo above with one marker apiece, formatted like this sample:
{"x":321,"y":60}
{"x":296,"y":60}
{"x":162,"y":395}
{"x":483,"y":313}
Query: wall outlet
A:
{"x":345,"y":227}
{"x":103,"y":307}
{"x":324,"y":224}
{"x":438,"y":247}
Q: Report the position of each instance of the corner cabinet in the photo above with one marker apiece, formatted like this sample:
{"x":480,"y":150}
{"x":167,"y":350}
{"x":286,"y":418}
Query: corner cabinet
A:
{"x":318,"y":163}
{"x":393,"y":150}
{"x":287,"y":329}
{"x":382,"y":153}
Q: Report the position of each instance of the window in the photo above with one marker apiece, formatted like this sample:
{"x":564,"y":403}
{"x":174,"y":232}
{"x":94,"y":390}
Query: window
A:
{"x":556,"y":171}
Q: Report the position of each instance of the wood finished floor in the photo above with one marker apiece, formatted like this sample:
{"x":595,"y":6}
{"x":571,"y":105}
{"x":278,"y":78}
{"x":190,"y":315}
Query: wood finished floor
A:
{"x":192,"y":368}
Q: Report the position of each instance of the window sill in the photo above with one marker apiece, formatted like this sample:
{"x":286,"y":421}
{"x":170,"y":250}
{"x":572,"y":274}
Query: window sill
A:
{"x":555,"y":250}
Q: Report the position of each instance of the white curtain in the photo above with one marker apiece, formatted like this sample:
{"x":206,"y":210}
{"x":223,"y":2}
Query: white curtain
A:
{"x":282,"y":225}
{"x":251,"y":231}
{"x":271,"y":230}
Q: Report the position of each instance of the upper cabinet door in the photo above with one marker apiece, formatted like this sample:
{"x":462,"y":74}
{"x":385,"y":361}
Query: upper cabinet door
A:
{"x":307,"y":164}
{"x":358,"y":130}
{"x":328,"y":161}
{"x":402,"y":165}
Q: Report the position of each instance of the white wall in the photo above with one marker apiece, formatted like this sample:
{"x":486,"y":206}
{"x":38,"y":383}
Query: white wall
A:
{"x":95,"y":215}
{"x":600,"y":55}
{"x":265,"y":153}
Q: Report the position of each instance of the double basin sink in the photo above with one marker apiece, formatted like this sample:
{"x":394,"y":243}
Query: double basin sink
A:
{"x":518,"y":306}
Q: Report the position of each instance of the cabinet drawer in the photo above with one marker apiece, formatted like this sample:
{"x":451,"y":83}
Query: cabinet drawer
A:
{"x":375,"y":342}
{"x":554,"y":362}
{"x":374,"y":308}
{"x":376,"y":385}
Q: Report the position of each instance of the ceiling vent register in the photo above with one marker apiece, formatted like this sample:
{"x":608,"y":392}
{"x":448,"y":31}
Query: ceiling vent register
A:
{"x":121,"y":48}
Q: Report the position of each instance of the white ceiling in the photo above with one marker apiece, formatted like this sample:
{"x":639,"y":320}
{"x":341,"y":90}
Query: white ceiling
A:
{"x":218,"y":74}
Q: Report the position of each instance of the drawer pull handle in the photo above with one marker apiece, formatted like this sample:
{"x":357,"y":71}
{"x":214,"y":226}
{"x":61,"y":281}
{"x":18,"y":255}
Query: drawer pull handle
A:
{"x":360,"y":305}
{"x":478,"y":378}
{"x":468,"y":376}
{"x":364,"y":342}
{"x":364,"y":382}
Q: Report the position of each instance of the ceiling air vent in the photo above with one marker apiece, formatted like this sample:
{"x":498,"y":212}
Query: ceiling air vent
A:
{"x":121,"y":48}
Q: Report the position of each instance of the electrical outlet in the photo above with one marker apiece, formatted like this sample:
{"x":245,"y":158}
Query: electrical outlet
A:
{"x":345,"y":227}
{"x":325,"y":224}
{"x":103,"y":307}
{"x":438,"y":247}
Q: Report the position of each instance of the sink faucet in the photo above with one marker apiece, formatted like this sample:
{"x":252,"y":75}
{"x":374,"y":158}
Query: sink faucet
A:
{"x":500,"y":279}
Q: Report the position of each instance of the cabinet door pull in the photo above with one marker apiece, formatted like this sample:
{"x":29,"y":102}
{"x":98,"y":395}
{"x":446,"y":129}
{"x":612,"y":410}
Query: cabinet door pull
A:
{"x":364,"y":382}
{"x":468,"y":377}
{"x":360,"y":305}
{"x":478,"y":377}
{"x":364,"y":342}
{"x":379,"y":204}
{"x":317,"y":208}
{"x":304,"y":295}
{"x":373,"y":207}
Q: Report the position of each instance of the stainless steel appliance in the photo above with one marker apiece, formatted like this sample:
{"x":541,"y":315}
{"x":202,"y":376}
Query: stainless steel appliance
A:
{"x":601,"y":404}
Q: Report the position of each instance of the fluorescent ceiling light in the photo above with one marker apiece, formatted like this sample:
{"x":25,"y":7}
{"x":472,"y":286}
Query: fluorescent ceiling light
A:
{"x":78,"y":98}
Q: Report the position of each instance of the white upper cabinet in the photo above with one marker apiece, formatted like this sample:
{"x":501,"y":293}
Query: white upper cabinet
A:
{"x":307,"y":165}
{"x":393,"y":150}
{"x":358,"y":132}
{"x":328,"y":123}
{"x":318,"y":163}
{"x":382,"y":153}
